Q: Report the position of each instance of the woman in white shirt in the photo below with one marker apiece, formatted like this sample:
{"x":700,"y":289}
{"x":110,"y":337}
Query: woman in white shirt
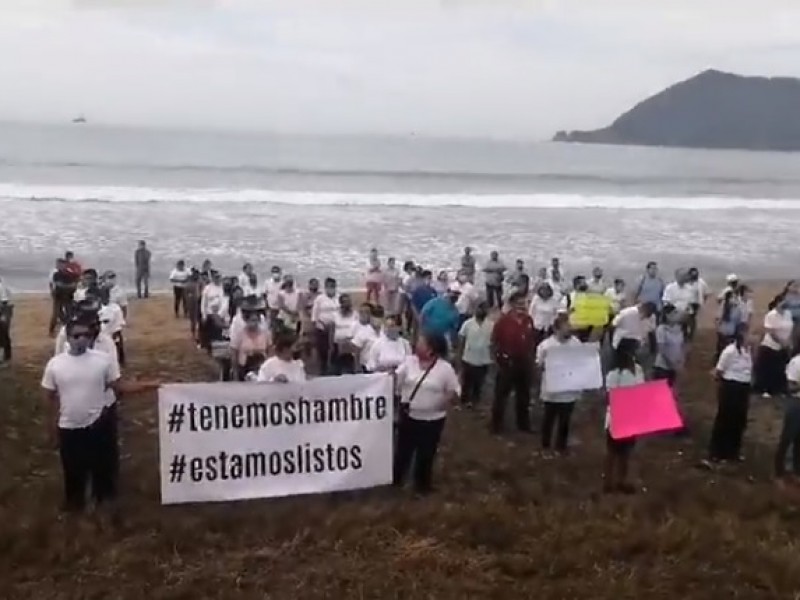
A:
{"x":344,"y":324}
{"x":179,"y":278}
{"x":427,"y":385}
{"x":543,"y":310}
{"x":286,"y":366}
{"x":323,"y":312}
{"x":625,"y":372}
{"x":250,"y":341}
{"x":390,"y":350}
{"x":734,"y":373}
{"x":112,"y":322}
{"x":289,"y":305}
{"x":213,"y":311}
{"x":558,"y":407}
{"x":365,"y":333}
{"x":773,"y":354}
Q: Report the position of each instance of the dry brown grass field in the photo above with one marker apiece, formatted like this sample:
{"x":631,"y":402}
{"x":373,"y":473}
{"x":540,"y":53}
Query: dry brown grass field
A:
{"x":503,"y":523}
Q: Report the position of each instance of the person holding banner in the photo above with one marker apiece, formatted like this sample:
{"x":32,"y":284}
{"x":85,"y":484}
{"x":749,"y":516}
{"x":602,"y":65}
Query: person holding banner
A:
{"x":428,"y":386}
{"x":558,"y":407}
{"x":366,"y":332}
{"x":734,"y":372}
{"x":625,"y":372}
{"x":286,"y":366}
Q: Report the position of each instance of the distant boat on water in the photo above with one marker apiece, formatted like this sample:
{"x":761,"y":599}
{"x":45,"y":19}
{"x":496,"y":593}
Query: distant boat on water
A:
{"x":79,"y":119}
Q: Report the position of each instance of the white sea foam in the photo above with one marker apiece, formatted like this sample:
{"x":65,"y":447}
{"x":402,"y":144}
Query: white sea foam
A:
{"x":74,"y":193}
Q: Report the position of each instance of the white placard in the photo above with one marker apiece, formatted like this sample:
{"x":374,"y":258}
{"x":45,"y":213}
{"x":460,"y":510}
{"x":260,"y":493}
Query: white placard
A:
{"x":573,"y":368}
{"x":235,"y":441}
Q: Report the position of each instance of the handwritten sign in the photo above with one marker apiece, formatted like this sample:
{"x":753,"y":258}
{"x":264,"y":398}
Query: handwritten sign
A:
{"x":643,"y":409}
{"x":590,"y":310}
{"x":573,"y":368}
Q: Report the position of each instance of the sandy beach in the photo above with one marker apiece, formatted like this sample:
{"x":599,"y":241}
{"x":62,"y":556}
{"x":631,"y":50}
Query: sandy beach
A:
{"x":503,"y":523}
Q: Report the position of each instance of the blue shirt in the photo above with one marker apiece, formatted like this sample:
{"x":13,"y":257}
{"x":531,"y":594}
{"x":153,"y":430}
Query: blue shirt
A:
{"x":651,"y":289}
{"x":793,"y":306}
{"x":440,"y":316}
{"x":421,"y":295}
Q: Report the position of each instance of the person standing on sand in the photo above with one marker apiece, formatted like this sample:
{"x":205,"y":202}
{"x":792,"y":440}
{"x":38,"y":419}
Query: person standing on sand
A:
{"x":428,"y":386}
{"x":513,"y":343}
{"x":493,"y":272}
{"x":625,"y":372}
{"x":6,"y":314}
{"x":179,"y":278}
{"x":543,"y":311}
{"x":468,"y":264}
{"x":141,"y":262}
{"x":322,"y":316}
{"x":192,"y":292}
{"x":63,"y":285}
{"x":734,"y":373}
{"x":650,"y":287}
{"x":112,"y":322}
{"x":474,"y":354}
{"x":701,"y":293}
{"x":773,"y":354}
{"x":558,"y":407}
{"x":115,"y":293}
{"x":468,"y":299}
{"x":792,"y":300}
{"x":670,"y":346}
{"x":392,"y":283}
{"x":682,"y":296}
{"x":286,"y":366}
{"x":345,"y":320}
{"x":273,"y":291}
{"x":214,"y":304}
{"x":72,"y":265}
{"x":514,"y":278}
{"x":374,"y":278}
{"x":390,"y":350}
{"x":596,"y":284}
{"x":731,"y":316}
{"x":422,"y":293}
{"x":289,"y":305}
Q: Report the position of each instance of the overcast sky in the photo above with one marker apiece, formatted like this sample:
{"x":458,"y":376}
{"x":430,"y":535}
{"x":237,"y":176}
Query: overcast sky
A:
{"x":499,"y":68}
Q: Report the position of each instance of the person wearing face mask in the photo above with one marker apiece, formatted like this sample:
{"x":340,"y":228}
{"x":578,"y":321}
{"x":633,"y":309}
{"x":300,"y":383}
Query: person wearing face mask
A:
{"x":75,"y":387}
{"x":115,"y":292}
{"x":731,"y":315}
{"x":474,"y":354}
{"x":6,"y":314}
{"x":249,"y":342}
{"x":670,"y":346}
{"x":440,"y":315}
{"x":289,"y":305}
{"x":390,"y":349}
{"x":513,"y":346}
{"x":543,"y":310}
{"x":343,"y":356}
{"x":773,"y":354}
{"x":214,"y":315}
{"x":112,"y":323}
{"x":427,"y":385}
{"x":365,"y":333}
{"x":493,"y":273}
{"x":89,"y":286}
{"x":322,"y":316}
{"x":179,"y":279}
{"x":87,"y":311}
{"x":272,"y":290}
{"x":286,"y":366}
{"x":558,"y":407}
{"x":468,"y":298}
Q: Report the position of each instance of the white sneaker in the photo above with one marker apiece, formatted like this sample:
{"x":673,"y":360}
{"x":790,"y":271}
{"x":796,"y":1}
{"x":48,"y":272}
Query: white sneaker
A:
{"x":766,"y":396}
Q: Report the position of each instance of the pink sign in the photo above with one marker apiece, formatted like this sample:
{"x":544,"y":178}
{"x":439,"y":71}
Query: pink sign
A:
{"x":643,"y":409}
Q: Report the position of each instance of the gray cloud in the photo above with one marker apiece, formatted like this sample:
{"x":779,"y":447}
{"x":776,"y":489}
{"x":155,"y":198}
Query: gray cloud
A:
{"x":446,"y":67}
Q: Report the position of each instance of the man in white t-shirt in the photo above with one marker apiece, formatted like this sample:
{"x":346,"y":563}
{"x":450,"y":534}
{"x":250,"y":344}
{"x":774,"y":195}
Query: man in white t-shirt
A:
{"x":76,"y":383}
{"x":468,"y":298}
{"x":475,"y":354}
{"x":634,"y":323}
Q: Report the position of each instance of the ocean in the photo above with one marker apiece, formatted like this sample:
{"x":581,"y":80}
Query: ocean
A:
{"x":316,"y":205}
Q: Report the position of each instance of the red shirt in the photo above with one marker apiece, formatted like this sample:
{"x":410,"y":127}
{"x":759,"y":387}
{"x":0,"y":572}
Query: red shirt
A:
{"x":513,"y":336}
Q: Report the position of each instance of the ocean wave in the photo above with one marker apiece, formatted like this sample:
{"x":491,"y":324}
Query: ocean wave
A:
{"x":73,"y":193}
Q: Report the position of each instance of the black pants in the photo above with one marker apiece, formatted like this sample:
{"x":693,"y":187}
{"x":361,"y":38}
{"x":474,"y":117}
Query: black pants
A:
{"x":771,"y":371}
{"x":666,"y":374}
{"x":516,"y":377}
{"x":90,"y":455}
{"x":723,"y":340}
{"x":179,"y":301}
{"x":561,"y":413}
{"x":733,"y":400}
{"x":322,"y":342}
{"x":472,"y":386}
{"x":119,"y":342}
{"x":494,"y":296}
{"x":343,"y":363}
{"x":790,"y":438}
{"x":58,"y":315}
{"x":418,"y":441}
{"x":5,"y":337}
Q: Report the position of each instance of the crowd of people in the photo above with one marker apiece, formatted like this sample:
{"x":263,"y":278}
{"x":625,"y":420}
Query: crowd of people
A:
{"x":439,"y":336}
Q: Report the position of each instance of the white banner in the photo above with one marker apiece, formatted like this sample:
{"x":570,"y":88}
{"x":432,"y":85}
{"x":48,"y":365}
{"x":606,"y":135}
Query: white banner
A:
{"x":571,"y":368}
{"x":234,"y":441}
